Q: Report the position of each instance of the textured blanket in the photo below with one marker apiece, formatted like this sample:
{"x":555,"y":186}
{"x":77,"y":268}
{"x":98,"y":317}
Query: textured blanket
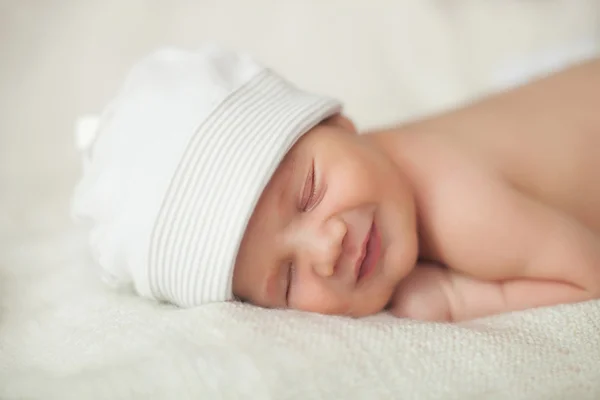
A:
{"x":64,"y":337}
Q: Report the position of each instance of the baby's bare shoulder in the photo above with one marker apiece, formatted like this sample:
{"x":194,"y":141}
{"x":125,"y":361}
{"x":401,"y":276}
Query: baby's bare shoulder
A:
{"x":477,"y":222}
{"x":472,"y":219}
{"x":466,"y":209}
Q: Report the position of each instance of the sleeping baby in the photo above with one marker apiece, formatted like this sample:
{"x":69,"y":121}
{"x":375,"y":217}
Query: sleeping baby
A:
{"x":211,"y":178}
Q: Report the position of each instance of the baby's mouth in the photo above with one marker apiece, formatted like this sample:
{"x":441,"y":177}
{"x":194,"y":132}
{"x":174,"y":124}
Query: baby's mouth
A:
{"x":371,"y":251}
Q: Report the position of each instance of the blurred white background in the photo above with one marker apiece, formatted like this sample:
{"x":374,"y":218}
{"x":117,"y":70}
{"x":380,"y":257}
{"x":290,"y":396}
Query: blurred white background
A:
{"x":387,"y":60}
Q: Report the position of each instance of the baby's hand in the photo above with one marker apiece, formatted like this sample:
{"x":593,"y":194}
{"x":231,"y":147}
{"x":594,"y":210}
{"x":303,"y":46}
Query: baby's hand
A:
{"x":423,"y":294}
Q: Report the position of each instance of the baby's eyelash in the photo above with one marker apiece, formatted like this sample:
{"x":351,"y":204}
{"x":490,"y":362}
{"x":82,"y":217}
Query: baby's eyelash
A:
{"x":309,"y":190}
{"x":290,"y":275}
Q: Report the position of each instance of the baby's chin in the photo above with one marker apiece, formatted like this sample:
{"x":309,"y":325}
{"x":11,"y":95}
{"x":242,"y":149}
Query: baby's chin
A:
{"x":374,"y":307}
{"x":366,"y":305}
{"x":356,"y":305}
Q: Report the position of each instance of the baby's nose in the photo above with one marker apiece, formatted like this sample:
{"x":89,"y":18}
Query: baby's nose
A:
{"x":326,"y":247}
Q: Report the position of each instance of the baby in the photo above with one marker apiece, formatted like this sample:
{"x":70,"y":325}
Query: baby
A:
{"x":213,"y":179}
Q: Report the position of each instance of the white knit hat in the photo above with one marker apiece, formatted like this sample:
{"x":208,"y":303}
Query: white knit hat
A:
{"x":178,"y":163}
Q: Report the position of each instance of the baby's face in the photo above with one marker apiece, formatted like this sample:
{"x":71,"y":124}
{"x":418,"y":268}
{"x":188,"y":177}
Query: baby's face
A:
{"x":334,"y":230}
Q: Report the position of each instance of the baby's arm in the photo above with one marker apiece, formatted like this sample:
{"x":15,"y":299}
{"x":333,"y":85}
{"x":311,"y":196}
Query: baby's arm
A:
{"x":433,"y":293}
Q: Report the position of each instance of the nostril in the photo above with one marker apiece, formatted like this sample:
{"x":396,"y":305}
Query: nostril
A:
{"x":325,"y":269}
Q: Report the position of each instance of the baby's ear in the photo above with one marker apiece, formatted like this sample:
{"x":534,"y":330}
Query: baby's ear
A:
{"x":342,"y":121}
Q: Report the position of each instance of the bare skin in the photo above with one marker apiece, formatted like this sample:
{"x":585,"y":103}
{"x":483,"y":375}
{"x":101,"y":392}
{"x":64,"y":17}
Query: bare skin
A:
{"x":502,"y":196}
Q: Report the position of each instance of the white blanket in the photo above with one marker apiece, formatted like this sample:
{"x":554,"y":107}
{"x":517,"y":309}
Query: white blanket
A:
{"x":64,"y":336}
